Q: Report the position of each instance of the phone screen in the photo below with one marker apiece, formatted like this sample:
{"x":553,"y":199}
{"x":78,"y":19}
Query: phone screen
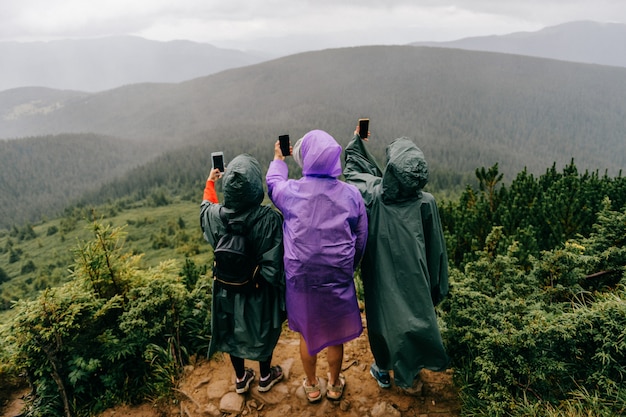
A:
{"x":218,"y":161}
{"x":284,"y":145}
{"x":364,"y":126}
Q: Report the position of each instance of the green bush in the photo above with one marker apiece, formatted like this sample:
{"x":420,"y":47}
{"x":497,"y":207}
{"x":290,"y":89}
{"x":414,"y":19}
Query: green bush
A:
{"x":114,"y":333}
{"x":543,"y":342}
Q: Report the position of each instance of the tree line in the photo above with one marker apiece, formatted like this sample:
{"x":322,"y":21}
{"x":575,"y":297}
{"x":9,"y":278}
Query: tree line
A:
{"x":539,"y":213}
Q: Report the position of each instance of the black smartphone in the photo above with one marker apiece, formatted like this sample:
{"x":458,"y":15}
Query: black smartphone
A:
{"x":284,"y":145}
{"x":218,"y":160}
{"x":364,"y":127}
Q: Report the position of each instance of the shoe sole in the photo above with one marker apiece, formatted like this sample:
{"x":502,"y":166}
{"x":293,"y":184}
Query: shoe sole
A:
{"x":380,"y":384}
{"x":243,"y":390}
{"x":246,"y":388}
{"x":270,"y":385}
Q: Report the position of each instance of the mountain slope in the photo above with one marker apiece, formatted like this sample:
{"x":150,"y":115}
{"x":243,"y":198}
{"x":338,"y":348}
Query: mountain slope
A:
{"x":40,"y":176}
{"x":464,"y":109}
{"x":587,"y":42}
{"x":468,"y":108}
{"x":105,"y":63}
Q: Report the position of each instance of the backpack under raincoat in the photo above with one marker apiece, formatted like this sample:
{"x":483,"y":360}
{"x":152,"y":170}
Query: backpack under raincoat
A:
{"x":247,"y":325}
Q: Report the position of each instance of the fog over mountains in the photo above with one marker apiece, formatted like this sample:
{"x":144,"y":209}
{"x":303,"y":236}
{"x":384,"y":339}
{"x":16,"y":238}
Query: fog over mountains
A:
{"x":588,"y":42}
{"x":99,"y":64}
{"x":92,"y":65}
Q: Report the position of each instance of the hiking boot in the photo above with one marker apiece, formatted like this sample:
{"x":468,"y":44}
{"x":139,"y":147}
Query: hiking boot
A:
{"x":243,"y":386}
{"x":276,"y":375}
{"x":416,"y":389}
{"x":382,"y":377}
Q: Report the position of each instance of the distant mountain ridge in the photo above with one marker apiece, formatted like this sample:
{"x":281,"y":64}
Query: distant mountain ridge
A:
{"x":100,"y":64}
{"x":584,"y":41}
{"x":527,"y":111}
{"x":93,"y":65}
{"x":464,"y":109}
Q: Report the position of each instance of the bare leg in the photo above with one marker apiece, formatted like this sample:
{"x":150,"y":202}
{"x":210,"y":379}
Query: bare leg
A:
{"x":309,"y":363}
{"x":335,"y":359}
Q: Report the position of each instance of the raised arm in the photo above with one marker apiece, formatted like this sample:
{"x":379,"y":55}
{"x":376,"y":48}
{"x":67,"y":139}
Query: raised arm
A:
{"x":361,"y":169}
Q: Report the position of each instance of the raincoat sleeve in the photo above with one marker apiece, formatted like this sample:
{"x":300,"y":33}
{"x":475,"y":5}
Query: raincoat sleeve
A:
{"x":436,"y":255}
{"x":210,"y":221}
{"x":361,"y":169}
{"x":277,"y":174}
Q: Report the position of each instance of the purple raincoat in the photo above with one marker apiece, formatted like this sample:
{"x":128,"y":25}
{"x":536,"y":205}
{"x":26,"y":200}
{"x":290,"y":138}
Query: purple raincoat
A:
{"x":325,"y":231}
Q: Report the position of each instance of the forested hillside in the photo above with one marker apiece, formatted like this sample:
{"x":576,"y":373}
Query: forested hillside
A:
{"x":41,"y":176}
{"x":464,"y":109}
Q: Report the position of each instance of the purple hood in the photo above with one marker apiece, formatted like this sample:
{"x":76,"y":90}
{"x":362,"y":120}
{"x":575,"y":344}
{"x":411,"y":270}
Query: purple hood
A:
{"x":320,"y":155}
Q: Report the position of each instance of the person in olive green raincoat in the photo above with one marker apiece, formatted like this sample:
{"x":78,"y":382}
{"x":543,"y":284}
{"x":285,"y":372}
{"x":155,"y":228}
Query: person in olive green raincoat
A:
{"x":405,"y":265}
{"x":247,"y":325}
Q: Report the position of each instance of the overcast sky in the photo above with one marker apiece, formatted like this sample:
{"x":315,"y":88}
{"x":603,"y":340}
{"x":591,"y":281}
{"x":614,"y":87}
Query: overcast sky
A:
{"x":293,"y":25}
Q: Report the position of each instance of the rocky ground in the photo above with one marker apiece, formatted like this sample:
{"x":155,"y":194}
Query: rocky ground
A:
{"x":208,"y":389}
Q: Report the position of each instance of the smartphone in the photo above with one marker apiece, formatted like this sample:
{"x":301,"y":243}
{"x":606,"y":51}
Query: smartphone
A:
{"x":218,"y":160}
{"x":364,"y":127}
{"x":284,"y":145}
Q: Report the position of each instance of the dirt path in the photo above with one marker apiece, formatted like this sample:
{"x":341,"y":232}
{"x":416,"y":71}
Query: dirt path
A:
{"x":209,"y":385}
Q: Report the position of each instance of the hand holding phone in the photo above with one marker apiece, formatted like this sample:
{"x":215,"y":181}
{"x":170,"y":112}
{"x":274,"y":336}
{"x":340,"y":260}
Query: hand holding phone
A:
{"x":364,"y":126}
{"x":218,"y":160}
{"x":285,"y":145}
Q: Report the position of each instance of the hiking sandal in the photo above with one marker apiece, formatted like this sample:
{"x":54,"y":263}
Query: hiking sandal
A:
{"x":334,"y":392}
{"x":309,"y":390}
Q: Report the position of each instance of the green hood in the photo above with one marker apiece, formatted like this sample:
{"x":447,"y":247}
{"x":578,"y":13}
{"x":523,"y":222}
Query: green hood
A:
{"x":243,"y":183}
{"x":406,"y":172}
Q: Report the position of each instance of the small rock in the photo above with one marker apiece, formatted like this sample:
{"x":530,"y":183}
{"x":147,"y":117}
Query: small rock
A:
{"x":384,"y":409}
{"x":344,"y":405}
{"x":211,"y":410}
{"x":217,"y":389}
{"x":276,"y":395}
{"x":231,"y":403}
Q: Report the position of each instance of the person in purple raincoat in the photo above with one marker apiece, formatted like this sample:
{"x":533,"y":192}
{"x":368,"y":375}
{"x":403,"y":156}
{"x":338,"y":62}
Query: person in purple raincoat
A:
{"x":325,"y":231}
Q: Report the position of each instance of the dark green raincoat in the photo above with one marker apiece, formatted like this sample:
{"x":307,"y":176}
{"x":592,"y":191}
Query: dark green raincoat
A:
{"x":405,"y":265}
{"x":247,"y":325}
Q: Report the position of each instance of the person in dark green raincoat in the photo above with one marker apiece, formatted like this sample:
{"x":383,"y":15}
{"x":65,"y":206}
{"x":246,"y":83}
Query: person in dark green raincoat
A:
{"x":405,"y":265}
{"x":247,"y":325}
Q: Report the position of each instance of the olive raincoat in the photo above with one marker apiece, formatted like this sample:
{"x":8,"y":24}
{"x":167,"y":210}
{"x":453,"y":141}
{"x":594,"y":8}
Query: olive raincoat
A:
{"x":247,"y":325}
{"x":325,"y":230}
{"x":405,"y":266}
